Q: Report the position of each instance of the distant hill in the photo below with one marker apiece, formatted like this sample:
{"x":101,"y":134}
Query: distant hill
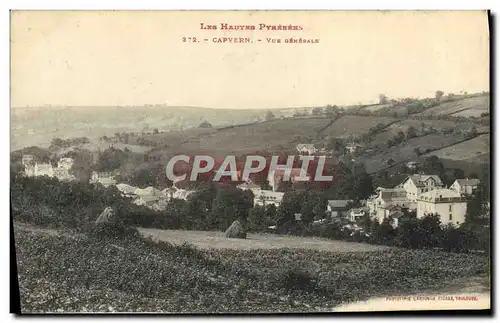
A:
{"x":162,"y":130}
{"x":37,"y":126}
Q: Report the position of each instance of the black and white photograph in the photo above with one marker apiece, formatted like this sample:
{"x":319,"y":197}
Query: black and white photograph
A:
{"x":257,"y":162}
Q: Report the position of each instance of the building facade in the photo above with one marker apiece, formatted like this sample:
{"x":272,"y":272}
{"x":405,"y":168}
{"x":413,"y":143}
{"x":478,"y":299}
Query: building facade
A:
{"x":465,"y":186}
{"x":415,"y":185}
{"x":448,"y":203}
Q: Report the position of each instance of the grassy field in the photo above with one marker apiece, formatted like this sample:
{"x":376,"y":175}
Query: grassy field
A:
{"x":210,"y":240}
{"x":381,"y":139}
{"x":474,"y":106}
{"x":60,"y":271}
{"x":406,"y":151}
{"x":261,"y":136}
{"x":465,"y":150}
{"x":354,"y":125}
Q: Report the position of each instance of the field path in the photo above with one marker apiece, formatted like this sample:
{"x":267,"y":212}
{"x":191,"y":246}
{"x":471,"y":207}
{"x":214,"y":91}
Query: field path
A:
{"x":216,"y":240}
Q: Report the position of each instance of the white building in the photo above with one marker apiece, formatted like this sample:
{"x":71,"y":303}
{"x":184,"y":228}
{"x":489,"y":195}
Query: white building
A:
{"x":448,"y":203}
{"x":176,"y":193}
{"x":27,"y":160}
{"x":147,"y":200}
{"x":43,"y":170}
{"x":268,"y":197}
{"x":337,"y":208}
{"x":65,"y":163}
{"x":355,"y":214}
{"x":415,"y":185}
{"x":106,"y":179}
{"x":306,"y":149}
{"x":250,"y":186}
{"x":382,"y":205}
{"x":353,"y":148}
{"x":126,"y":190}
{"x":277,"y":175}
{"x":465,"y":186}
{"x":150,"y":190}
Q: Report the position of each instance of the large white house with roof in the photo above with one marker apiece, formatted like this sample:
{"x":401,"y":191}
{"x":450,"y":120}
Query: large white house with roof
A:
{"x":448,"y":203}
{"x":465,"y":186}
{"x":415,"y":185}
{"x":385,"y":202}
{"x":266,"y":197}
{"x":306,"y":149}
{"x":337,"y":208}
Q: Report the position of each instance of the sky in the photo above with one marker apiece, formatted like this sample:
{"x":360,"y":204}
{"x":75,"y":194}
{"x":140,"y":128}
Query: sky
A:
{"x":99,"y":58}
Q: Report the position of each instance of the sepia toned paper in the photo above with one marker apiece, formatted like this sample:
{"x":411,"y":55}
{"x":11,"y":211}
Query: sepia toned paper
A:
{"x":396,"y":102}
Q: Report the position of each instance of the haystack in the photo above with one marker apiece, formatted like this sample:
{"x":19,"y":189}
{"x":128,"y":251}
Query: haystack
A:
{"x":236,"y":230}
{"x":106,"y":216}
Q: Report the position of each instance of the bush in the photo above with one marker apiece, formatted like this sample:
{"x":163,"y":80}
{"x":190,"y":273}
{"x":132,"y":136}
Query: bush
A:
{"x":297,"y":279}
{"x":113,"y":230}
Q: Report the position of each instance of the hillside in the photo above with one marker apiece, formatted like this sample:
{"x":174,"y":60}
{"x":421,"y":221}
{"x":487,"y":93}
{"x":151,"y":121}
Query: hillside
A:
{"x":162,"y":130}
{"x":38,"y":126}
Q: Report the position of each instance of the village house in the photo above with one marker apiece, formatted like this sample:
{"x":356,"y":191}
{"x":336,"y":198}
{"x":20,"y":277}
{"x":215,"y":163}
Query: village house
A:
{"x":27,"y":160}
{"x":126,"y":190}
{"x":356,"y":214}
{"x":63,"y":174}
{"x":448,"y":203}
{"x":395,"y":215}
{"x":308,"y":149}
{"x":277,"y":175}
{"x":412,"y":165}
{"x":268,"y":197}
{"x":465,"y":186}
{"x":381,"y":205}
{"x":337,"y":208}
{"x":176,"y":193}
{"x":250,"y":186}
{"x":43,"y":170}
{"x":65,"y":163}
{"x":354,"y":148}
{"x":147,"y":200}
{"x":148,"y":191}
{"x":104,"y":178}
{"x":415,"y":185}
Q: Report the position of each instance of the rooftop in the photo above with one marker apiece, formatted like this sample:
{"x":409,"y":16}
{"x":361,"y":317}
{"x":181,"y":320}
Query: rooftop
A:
{"x":338,"y":203}
{"x":438,"y":194}
{"x":420,"y":180}
{"x":468,"y":181}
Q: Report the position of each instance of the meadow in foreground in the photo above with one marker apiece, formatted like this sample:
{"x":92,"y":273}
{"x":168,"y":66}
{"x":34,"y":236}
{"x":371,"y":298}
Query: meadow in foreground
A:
{"x":64,"y":272}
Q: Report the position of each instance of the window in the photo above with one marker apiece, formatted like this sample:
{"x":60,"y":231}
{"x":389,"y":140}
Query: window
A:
{"x":451,"y":217}
{"x":449,"y":208}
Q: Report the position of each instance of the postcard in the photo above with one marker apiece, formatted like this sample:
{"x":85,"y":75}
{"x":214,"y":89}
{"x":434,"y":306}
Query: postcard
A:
{"x":185,"y":162}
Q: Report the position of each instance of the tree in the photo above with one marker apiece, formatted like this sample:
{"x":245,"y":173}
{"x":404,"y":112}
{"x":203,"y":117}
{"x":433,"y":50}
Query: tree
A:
{"x":331,"y":111}
{"x":363,"y":186}
{"x":205,"y":124}
{"x":473,"y":132}
{"x":411,"y":132}
{"x":317,"y":111}
{"x":408,"y":234}
{"x":430,"y":231}
{"x":439,"y":95}
{"x":155,"y":131}
{"x":270,"y":116}
{"x":385,"y":233}
{"x":432,"y":165}
{"x":230,"y":204}
{"x":383,"y":99}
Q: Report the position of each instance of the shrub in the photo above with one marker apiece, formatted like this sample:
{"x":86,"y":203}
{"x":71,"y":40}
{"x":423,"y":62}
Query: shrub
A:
{"x":113,"y":230}
{"x":297,"y":279}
